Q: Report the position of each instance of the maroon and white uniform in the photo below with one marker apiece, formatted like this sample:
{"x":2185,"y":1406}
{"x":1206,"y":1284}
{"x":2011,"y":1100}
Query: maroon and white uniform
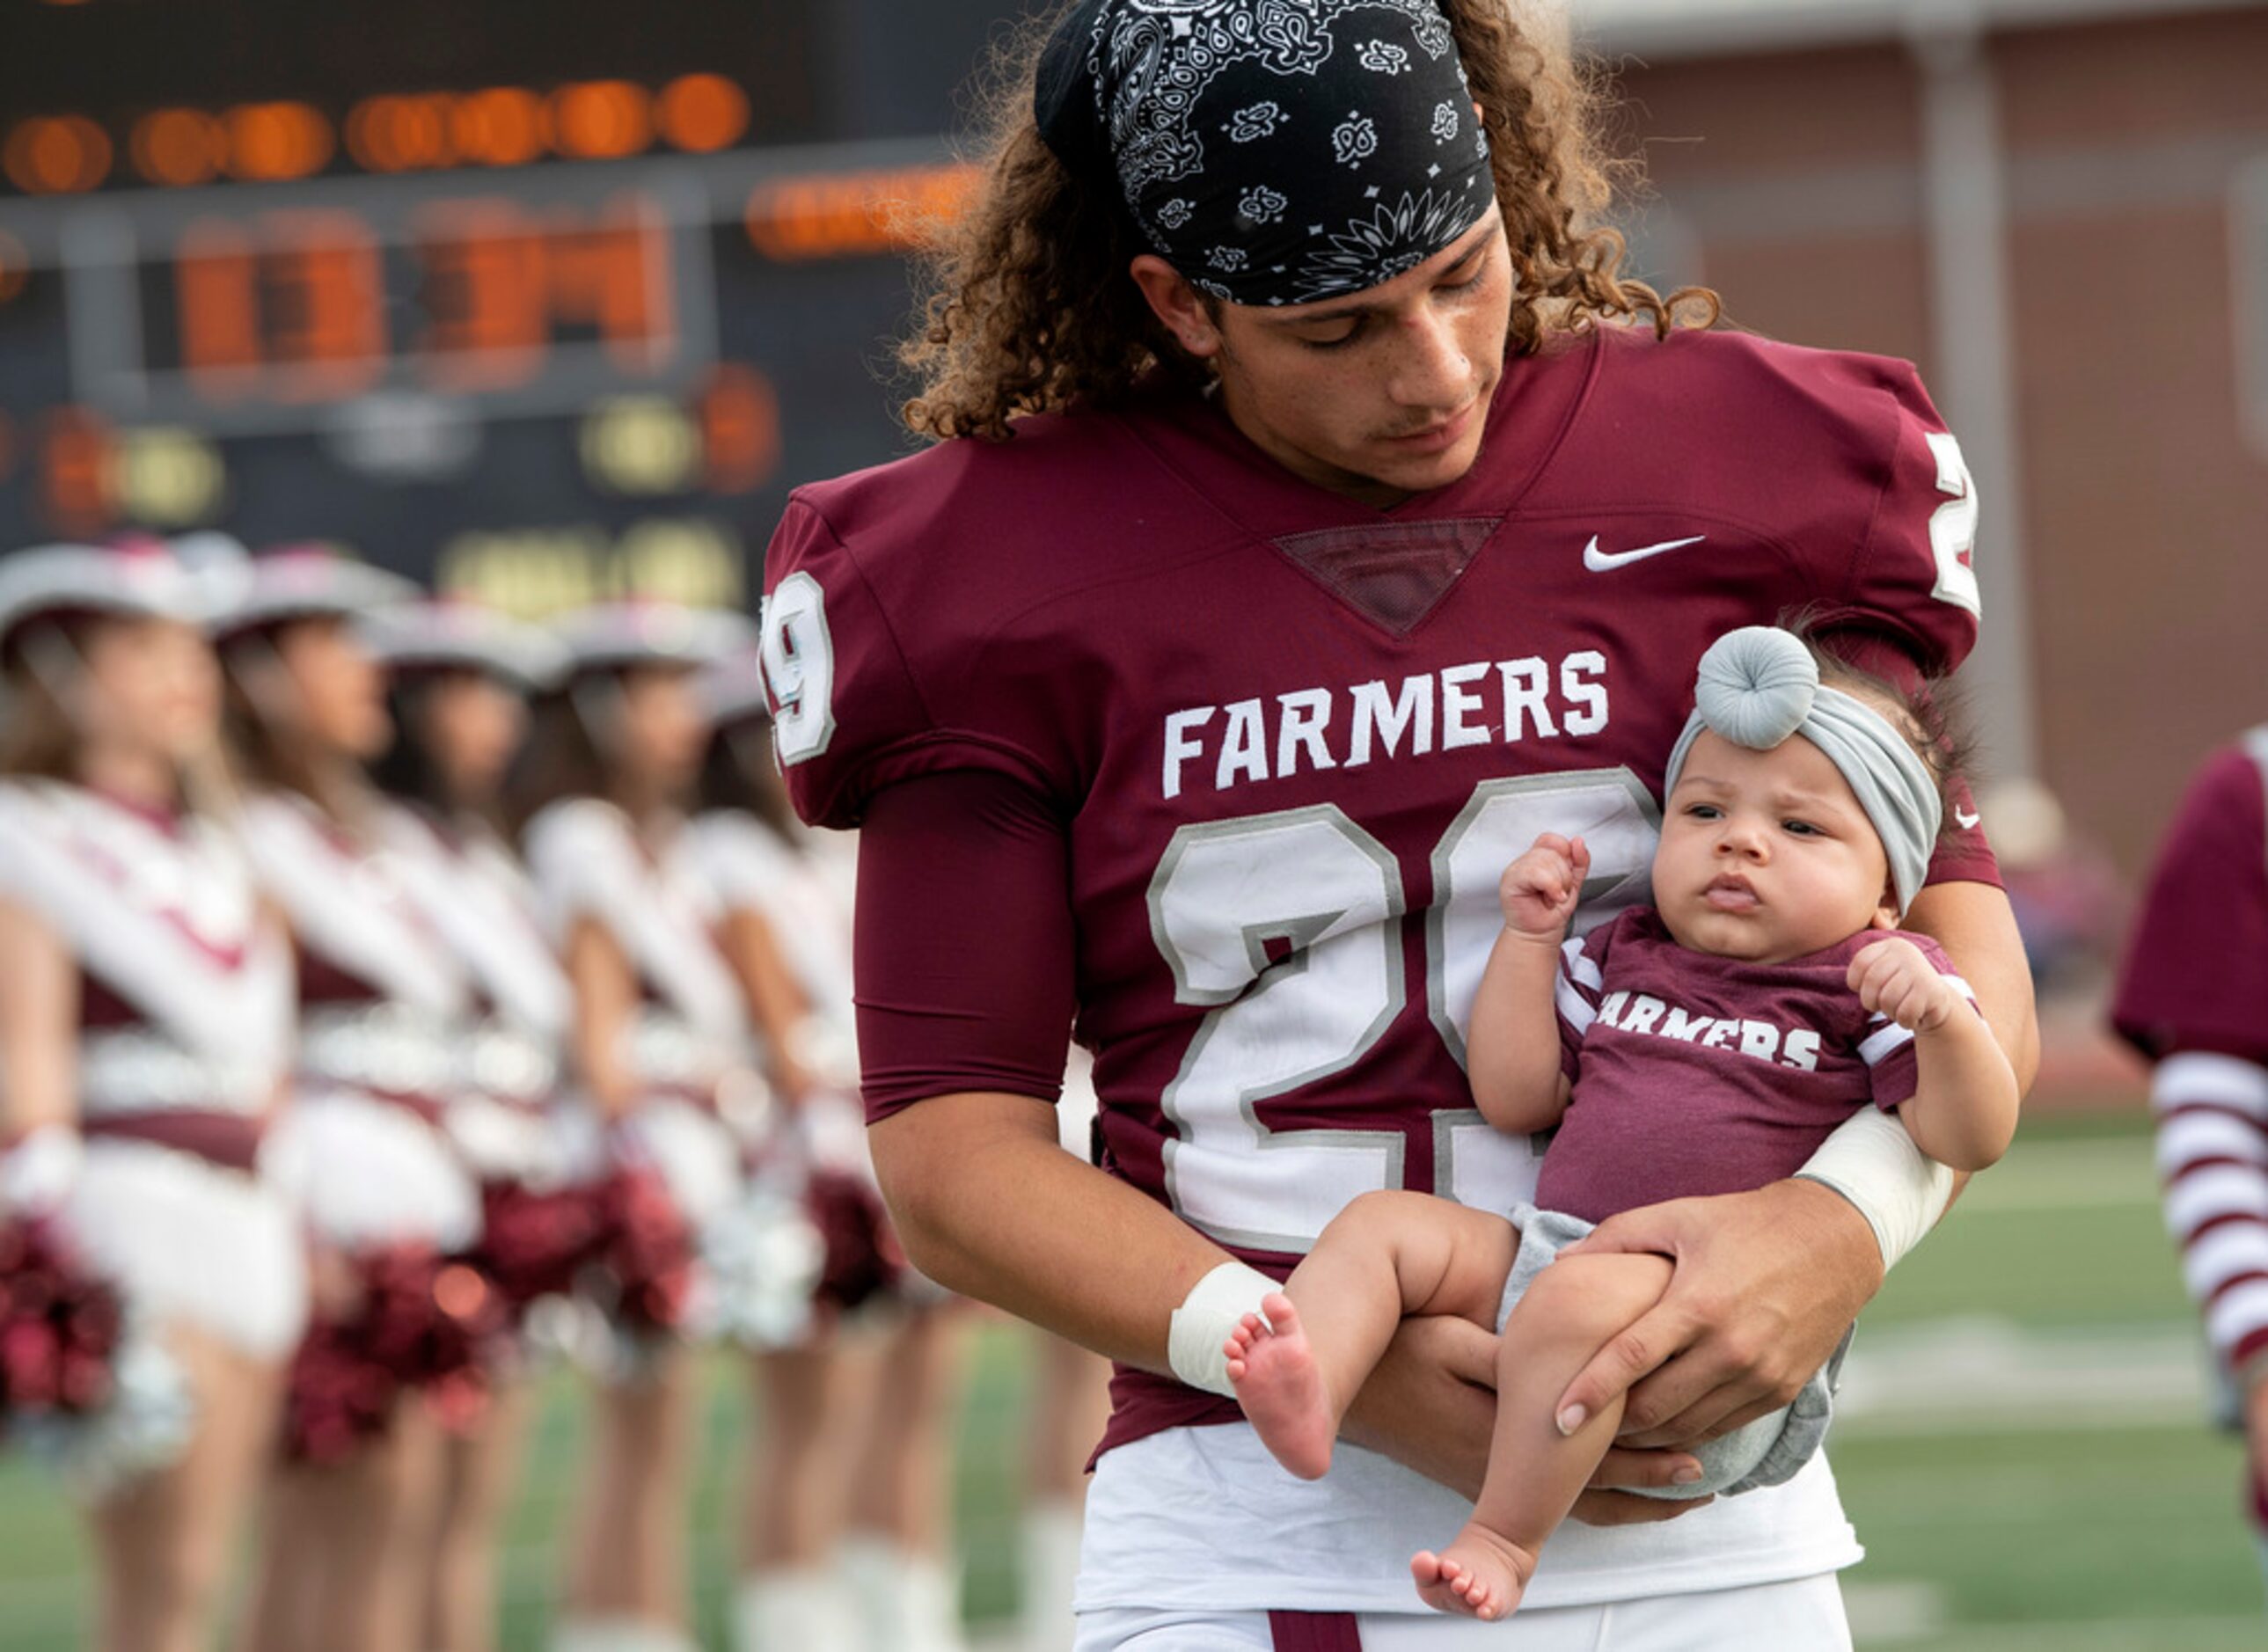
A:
{"x":803,"y":894}
{"x":688,"y":1046}
{"x":1697,"y":1074}
{"x":185,"y":1014}
{"x":470,"y":891}
{"x":383,"y":1006}
{"x":2193,"y":998}
{"x":1129,"y":710}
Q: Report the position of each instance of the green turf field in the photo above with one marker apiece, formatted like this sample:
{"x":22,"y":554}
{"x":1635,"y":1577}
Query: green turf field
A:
{"x":2020,"y":1445}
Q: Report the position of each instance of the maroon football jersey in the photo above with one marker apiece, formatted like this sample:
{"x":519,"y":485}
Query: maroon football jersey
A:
{"x":1697,"y":1074}
{"x":2193,"y":997}
{"x":2196,"y":975}
{"x":1295,"y":739}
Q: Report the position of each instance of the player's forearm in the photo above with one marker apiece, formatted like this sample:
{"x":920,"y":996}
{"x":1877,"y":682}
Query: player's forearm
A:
{"x":1963,"y":1112}
{"x":1430,"y":1404}
{"x":1513,"y":1049}
{"x":1976,"y":926}
{"x":987,"y":1204}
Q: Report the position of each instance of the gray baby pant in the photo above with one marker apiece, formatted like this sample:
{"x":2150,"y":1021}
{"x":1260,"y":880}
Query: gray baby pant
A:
{"x":1766,"y":1453}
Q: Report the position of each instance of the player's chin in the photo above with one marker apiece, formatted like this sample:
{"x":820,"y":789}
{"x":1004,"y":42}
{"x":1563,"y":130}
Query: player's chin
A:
{"x":1414,"y":468}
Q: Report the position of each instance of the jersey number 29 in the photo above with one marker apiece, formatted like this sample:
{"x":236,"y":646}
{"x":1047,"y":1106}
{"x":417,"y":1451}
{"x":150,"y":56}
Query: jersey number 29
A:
{"x":1328,"y":897}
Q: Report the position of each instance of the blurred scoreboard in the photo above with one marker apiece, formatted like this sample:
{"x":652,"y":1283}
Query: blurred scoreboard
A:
{"x":538,"y":302}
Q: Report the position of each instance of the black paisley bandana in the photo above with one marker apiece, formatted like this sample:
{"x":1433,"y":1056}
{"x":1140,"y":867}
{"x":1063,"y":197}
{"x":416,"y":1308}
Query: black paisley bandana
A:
{"x":1273,"y":151}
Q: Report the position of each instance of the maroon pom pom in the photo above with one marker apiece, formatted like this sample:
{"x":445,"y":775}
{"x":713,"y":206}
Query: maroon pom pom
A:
{"x":534,"y":1244}
{"x":864,"y":1260}
{"x":426,"y":1322}
{"x":60,"y":1326}
{"x":642,"y":1275}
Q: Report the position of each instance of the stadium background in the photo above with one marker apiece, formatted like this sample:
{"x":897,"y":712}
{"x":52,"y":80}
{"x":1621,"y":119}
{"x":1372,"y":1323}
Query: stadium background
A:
{"x":541,"y":301}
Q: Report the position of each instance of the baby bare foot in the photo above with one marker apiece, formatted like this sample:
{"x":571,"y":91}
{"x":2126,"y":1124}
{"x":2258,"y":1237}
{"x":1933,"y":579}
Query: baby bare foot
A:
{"x":1481,"y":1575}
{"x":1272,"y":1367}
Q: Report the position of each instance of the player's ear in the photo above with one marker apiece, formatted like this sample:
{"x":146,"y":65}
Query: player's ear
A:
{"x":1178,"y":304}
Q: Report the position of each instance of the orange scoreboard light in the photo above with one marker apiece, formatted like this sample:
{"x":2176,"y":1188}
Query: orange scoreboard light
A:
{"x":525,"y":360}
{"x":246,"y":311}
{"x":467,"y":294}
{"x":539,"y":299}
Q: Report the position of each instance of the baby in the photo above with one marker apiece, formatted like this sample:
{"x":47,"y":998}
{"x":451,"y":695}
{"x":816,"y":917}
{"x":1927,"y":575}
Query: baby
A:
{"x":1707,"y":1044}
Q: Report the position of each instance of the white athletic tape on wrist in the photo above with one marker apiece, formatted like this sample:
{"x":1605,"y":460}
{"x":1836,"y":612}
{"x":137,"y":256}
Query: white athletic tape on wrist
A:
{"x":1872,"y":1161}
{"x":37,"y":1174}
{"x":1215,"y":1306}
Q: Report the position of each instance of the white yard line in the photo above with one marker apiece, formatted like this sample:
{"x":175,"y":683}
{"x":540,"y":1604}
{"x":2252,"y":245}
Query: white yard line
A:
{"x":2086,"y":1175}
{"x":1885,"y":1612}
{"x":1979,"y":1373}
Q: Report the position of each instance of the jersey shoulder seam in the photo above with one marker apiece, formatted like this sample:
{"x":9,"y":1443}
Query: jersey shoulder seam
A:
{"x":881,"y":608}
{"x":939,"y":732}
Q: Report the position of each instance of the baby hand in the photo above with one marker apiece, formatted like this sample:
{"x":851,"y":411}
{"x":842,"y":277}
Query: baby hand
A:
{"x":1539,"y":890}
{"x":1893,"y":979}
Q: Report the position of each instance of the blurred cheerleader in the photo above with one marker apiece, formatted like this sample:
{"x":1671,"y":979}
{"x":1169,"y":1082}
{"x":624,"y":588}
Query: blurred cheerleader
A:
{"x":847,"y":1532}
{"x":382,"y":1000}
{"x":459,"y":675}
{"x":657,"y":1052}
{"x":145,"y":1016}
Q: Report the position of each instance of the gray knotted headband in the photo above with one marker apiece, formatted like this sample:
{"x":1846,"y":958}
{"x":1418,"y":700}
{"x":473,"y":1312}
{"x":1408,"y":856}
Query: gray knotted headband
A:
{"x":1758,"y":686}
{"x":1273,"y":151}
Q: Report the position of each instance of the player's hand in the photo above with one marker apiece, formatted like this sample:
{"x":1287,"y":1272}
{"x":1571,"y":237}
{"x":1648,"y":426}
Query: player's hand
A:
{"x":1597,"y":1506}
{"x":1893,"y":979}
{"x":1538,"y":891}
{"x":1430,"y":1402}
{"x":1764,"y":1287}
{"x":1430,"y":1405}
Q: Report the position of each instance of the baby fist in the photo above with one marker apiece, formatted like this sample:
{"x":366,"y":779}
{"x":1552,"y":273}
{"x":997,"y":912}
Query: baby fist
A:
{"x":1539,"y":890}
{"x":1893,"y":979}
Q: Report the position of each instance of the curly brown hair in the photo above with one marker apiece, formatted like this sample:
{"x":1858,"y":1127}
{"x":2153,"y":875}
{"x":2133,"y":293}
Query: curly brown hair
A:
{"x":1030,"y":307}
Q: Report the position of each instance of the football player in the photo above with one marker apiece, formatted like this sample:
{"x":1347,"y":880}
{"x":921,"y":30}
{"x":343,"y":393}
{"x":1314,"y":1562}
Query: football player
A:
{"x":1309,"y":535}
{"x":2193,"y":998}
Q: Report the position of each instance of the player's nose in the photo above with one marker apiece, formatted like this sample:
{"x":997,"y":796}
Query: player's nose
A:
{"x":1430,"y":368}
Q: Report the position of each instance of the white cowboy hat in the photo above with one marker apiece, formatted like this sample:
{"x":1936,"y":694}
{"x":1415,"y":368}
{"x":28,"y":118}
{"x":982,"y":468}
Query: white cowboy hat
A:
{"x":309,"y":581}
{"x":464,"y":636}
{"x":143,"y":578}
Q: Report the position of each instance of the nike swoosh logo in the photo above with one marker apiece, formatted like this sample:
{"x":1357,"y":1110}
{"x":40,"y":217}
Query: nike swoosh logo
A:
{"x":1599,"y":561}
{"x":1964,"y":820}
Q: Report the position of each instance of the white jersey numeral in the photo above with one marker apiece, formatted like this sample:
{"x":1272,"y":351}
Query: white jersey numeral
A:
{"x":799,"y":656}
{"x":1319,"y":885}
{"x":1475,"y":1163}
{"x":1328,"y":897}
{"x":1953,"y":527}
